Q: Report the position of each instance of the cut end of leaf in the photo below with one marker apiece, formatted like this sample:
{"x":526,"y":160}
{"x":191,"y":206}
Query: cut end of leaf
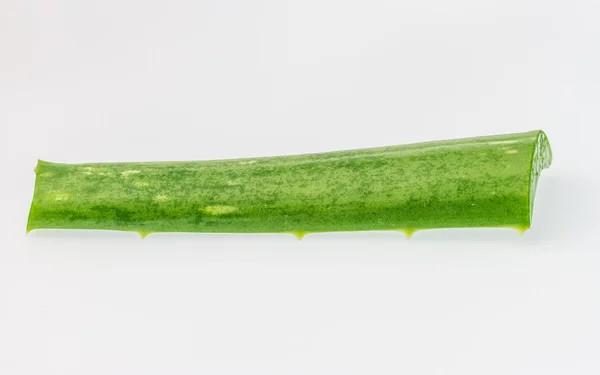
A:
{"x":541,"y":159}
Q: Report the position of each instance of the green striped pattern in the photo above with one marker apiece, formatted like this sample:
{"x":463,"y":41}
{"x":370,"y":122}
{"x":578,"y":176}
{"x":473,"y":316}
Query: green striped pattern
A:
{"x":475,"y":182}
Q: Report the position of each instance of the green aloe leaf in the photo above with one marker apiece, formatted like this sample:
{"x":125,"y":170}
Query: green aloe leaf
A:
{"x":474,"y":182}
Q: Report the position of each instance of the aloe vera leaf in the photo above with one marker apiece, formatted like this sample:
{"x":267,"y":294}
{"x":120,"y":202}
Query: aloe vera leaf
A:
{"x":473,"y":182}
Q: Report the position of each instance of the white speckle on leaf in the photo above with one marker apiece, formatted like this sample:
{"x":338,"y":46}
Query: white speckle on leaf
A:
{"x":140,"y":184}
{"x":60,"y":195}
{"x":97,"y":171}
{"x":219,"y":210}
{"x":129,"y":173}
{"x":512,"y":151}
{"x":503,"y":142}
{"x":161,"y":198}
{"x":248,"y":162}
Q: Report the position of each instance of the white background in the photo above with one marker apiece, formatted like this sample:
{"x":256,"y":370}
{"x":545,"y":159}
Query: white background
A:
{"x":114,"y":80}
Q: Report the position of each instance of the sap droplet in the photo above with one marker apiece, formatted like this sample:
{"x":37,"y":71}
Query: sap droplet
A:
{"x":520,"y":229}
{"x":408,"y":232}
{"x":144,"y":234}
{"x":299,"y":235}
